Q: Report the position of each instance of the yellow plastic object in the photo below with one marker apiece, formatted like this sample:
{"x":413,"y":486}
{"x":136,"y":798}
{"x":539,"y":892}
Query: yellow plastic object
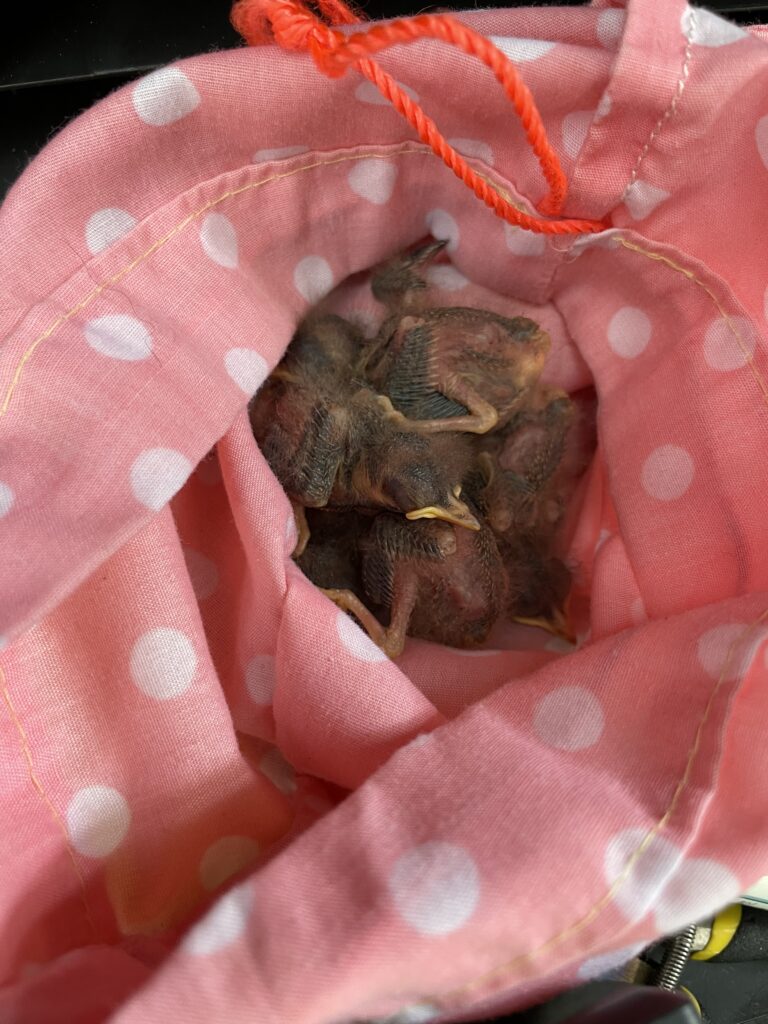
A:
{"x":724,"y":927}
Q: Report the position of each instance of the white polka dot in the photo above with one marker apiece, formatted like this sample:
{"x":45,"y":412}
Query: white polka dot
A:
{"x":263,"y":156}
{"x":419,"y":741}
{"x":260,"y":678}
{"x":446,"y":277}
{"x":608,"y":963}
{"x":667,"y":472}
{"x":419,"y":1013}
{"x":203,"y":574}
{"x":291,"y":533}
{"x":598,"y":240}
{"x":703,"y":28}
{"x":119,"y":336}
{"x":247,"y":368}
{"x":373,"y":180}
{"x":366,"y":321}
{"x":558,"y":645}
{"x":163,"y":663}
{"x":443,"y":226}
{"x":164,"y":96}
{"x":637,"y":878}
{"x":610,"y":25}
{"x":278,"y":771}
{"x":728,"y":345}
{"x":435,"y":887}
{"x":609,"y":966}
{"x":629,"y":332}
{"x":98,"y":818}
{"x":584,"y":638}
{"x":605,"y":535}
{"x":699,"y":888}
{"x":473,"y":147}
{"x":209,"y":470}
{"x":7,"y":499}
{"x":524,"y":243}
{"x":106,"y":226}
{"x":318,"y":805}
{"x":226,"y":857}
{"x":224,"y":923}
{"x":157,"y":474}
{"x":519,"y":49}
{"x":368,"y":93}
{"x":727,"y":651}
{"x":313,"y":278}
{"x":219,"y":240}
{"x":574,"y":130}
{"x":642,"y":198}
{"x":569,"y":718}
{"x":603,"y":107}
{"x":637,"y":611}
{"x":358,"y":643}
{"x":761,"y":138}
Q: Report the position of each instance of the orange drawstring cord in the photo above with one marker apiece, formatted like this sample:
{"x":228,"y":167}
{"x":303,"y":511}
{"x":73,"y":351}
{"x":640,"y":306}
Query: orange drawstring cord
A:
{"x":294,"y":27}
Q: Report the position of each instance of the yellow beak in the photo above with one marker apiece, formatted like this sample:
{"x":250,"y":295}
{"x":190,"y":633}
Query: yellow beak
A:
{"x":456,"y":513}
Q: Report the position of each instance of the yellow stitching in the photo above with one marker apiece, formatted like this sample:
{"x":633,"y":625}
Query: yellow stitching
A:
{"x":597,"y":908}
{"x":425,"y":151}
{"x":57,"y":819}
{"x":591,"y":914}
{"x":659,"y":258}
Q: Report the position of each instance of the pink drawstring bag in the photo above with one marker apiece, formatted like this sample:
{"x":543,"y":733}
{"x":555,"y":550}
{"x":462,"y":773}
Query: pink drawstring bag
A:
{"x":220,"y":801}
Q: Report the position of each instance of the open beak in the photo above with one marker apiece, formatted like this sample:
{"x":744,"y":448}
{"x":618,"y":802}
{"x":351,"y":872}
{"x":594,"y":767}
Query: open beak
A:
{"x":454,"y":511}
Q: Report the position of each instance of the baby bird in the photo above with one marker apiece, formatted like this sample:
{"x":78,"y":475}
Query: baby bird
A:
{"x":330,"y":442}
{"x":449,"y":368}
{"x":397,"y":283}
{"x":523,"y":464}
{"x":432,"y":581}
{"x":331,"y":559}
{"x":516,"y":487}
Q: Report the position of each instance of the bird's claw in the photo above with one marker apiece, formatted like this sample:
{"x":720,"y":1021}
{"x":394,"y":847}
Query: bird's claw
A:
{"x":556,"y":624}
{"x":392,"y":414}
{"x":302,"y":530}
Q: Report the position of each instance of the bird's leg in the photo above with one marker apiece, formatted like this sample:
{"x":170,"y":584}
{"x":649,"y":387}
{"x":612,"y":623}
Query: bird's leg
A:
{"x":349,"y":602}
{"x":400,"y":419}
{"x":392,"y":638}
{"x":404,"y":593}
{"x":482,"y":415}
{"x":390,"y":412}
{"x":398,"y":282}
{"x":487,"y":468}
{"x":302,"y":529}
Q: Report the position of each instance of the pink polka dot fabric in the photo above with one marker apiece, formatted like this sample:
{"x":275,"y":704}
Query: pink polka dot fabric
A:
{"x":220,"y":801}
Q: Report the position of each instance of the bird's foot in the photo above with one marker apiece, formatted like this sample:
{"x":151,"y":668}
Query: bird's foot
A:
{"x":556,"y":624}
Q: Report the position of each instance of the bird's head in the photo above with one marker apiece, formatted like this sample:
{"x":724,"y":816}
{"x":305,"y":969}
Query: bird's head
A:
{"x":423,"y":480}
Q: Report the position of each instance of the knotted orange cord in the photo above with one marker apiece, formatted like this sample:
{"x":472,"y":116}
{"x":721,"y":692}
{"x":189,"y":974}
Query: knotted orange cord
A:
{"x":294,"y":27}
